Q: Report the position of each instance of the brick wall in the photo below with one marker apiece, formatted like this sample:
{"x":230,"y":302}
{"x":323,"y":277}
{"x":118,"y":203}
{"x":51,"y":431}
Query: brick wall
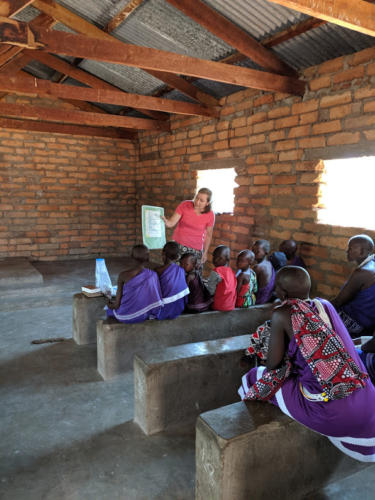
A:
{"x":65,"y":196}
{"x":277,"y":143}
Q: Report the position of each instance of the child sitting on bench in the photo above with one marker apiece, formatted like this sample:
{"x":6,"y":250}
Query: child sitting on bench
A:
{"x":246,"y":279}
{"x":222,"y":283}
{"x":174,"y":289}
{"x":138,"y":291}
{"x":199,"y":299}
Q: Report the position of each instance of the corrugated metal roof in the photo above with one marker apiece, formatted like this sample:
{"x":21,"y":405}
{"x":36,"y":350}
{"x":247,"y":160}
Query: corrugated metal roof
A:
{"x":155,"y":23}
{"x":159,"y":25}
{"x":259,"y":18}
{"x":129,"y":79}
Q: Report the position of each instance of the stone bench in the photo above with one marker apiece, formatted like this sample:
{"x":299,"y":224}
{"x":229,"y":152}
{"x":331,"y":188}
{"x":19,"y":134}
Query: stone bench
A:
{"x":252,"y":450}
{"x":175,"y":384}
{"x":118,"y":342}
{"x":86,"y":312}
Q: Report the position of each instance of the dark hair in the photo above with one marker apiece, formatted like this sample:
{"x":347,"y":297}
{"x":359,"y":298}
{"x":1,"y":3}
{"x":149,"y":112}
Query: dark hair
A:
{"x":140,"y":253}
{"x":265,"y":244}
{"x":189,"y":255}
{"x":222,"y":250}
{"x":207,"y":192}
{"x":248,"y":254}
{"x":171,"y":250}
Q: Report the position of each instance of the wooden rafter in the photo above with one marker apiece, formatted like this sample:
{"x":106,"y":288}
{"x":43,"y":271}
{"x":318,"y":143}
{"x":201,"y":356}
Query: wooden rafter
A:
{"x":62,"y":128}
{"x":43,"y":21}
{"x":81,"y":76}
{"x":79,"y":117}
{"x":357,"y":16}
{"x":80,"y":25}
{"x":34,"y":86}
{"x":221,"y":27}
{"x":10,"y":8}
{"x":124,"y":13}
{"x":143,"y":57}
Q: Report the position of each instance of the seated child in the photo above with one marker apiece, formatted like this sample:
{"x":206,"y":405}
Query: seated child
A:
{"x":199,"y":299}
{"x":278,"y":260}
{"x":222,"y":283}
{"x":289,"y":247}
{"x":174,"y":289}
{"x":246,"y":279}
{"x":264,"y":271}
{"x":138,"y":294}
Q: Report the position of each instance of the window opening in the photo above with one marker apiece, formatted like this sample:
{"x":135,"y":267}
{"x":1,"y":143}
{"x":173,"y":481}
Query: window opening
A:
{"x":347,"y":192}
{"x":221,"y":182}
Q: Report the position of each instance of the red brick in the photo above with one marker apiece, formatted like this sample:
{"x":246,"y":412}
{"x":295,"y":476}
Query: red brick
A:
{"x":262,"y":179}
{"x":300,"y":131}
{"x":335,"y":100}
{"x":308,"y":118}
{"x":278,"y":112}
{"x":320,"y":83}
{"x":369,"y":107}
{"x":343,"y":138}
{"x":289,"y":121}
{"x":312,"y":142}
{"x":284,"y":179}
{"x":331,"y":66}
{"x":326,"y":127}
{"x":349,"y":74}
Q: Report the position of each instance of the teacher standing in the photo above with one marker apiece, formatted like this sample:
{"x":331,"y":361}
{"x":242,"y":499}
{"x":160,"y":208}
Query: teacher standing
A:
{"x":195,"y":222}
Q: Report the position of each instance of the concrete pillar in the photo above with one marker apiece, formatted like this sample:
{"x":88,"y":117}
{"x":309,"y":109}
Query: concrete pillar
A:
{"x":86,"y":311}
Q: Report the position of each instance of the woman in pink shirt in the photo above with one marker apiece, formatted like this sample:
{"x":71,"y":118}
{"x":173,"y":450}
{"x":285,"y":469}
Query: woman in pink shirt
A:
{"x":195,"y":222}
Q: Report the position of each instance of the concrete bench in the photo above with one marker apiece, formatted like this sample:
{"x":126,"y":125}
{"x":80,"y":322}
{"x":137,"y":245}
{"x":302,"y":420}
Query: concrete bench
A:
{"x":86,"y":312}
{"x":252,"y":450}
{"x":175,"y":384}
{"x":118,"y":342}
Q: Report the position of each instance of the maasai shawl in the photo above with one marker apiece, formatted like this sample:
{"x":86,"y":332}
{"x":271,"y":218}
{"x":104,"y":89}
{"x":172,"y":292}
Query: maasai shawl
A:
{"x":199,"y":299}
{"x":246,"y":296}
{"x":264,"y":294}
{"x":174,"y":291}
{"x":141,"y":299}
{"x":323,"y":351}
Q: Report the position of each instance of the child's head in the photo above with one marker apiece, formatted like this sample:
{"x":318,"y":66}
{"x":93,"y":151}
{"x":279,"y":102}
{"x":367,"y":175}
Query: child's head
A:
{"x":140,"y":253}
{"x":221,"y":256}
{"x":188,"y":262}
{"x":171,"y":251}
{"x":261,"y":249}
{"x":292,"y":282}
{"x":289,"y":247}
{"x":202,"y":200}
{"x":245,"y":259}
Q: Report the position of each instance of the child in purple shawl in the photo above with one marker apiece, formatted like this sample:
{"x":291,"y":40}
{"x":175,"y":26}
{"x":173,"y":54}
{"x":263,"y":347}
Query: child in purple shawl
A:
{"x":138,"y":291}
{"x":199,"y":299}
{"x":174,"y":289}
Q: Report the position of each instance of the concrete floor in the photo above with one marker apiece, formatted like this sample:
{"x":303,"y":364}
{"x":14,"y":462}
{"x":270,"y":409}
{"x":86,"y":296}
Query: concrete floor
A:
{"x":65,"y":433}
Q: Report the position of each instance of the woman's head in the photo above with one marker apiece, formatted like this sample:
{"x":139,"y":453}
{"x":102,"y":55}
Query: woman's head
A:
{"x":202,"y":200}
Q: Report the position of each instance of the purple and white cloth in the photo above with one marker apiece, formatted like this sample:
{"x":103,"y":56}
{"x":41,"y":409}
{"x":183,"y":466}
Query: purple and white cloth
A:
{"x":174,"y":291}
{"x":141,"y":299}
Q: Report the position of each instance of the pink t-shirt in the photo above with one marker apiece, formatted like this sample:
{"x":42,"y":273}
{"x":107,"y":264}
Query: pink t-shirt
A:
{"x":191,"y":228}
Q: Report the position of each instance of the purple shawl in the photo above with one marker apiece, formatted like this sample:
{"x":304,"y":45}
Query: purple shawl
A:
{"x":174,"y":291}
{"x":141,"y":299}
{"x":264,"y":294}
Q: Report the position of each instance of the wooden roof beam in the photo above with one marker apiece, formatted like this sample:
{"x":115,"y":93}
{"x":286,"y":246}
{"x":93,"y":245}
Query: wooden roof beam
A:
{"x":124,"y":13}
{"x":34,"y":86}
{"x":143,"y":57}
{"x":62,"y":128}
{"x":10,"y":8}
{"x":221,"y":27}
{"x":357,"y":16}
{"x":79,"y":117}
{"x":82,"y":26}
